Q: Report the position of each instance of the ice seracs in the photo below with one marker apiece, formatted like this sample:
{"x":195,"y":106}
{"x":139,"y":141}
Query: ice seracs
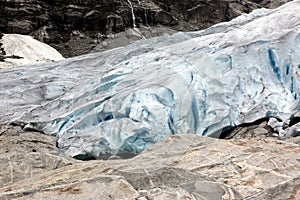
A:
{"x":128,"y":98}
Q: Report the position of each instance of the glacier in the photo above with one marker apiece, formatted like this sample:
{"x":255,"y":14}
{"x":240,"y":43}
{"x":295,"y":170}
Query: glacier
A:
{"x":128,"y":98}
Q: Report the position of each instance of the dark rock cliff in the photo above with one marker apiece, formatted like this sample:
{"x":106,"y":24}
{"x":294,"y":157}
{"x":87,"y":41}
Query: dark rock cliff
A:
{"x":90,"y":21}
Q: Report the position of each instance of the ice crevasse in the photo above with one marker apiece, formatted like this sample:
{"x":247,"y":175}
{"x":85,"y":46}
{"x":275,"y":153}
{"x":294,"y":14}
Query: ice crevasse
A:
{"x":127,"y":99}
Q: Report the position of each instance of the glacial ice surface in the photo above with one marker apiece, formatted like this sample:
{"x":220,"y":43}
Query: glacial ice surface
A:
{"x":128,"y":98}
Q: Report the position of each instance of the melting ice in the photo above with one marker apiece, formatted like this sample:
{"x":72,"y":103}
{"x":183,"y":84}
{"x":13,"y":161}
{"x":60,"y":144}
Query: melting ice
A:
{"x":128,"y":98}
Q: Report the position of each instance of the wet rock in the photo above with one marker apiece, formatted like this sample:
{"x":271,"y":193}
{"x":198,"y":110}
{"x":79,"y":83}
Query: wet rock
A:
{"x":165,"y":18}
{"x":2,"y":52}
{"x":115,"y":23}
{"x":257,"y":129}
{"x":21,"y":27}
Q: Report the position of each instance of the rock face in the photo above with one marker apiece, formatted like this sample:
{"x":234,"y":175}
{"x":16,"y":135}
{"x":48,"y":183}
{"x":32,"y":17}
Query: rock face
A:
{"x":179,"y":167}
{"x":2,"y":52}
{"x":75,"y":27}
{"x":26,"y":154}
{"x":249,"y":165}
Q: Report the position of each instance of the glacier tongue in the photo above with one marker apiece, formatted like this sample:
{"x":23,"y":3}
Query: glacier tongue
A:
{"x":128,"y":98}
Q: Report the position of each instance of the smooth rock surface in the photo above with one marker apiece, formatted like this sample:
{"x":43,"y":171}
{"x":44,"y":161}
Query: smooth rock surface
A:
{"x":26,"y":154}
{"x":184,"y":166}
{"x":247,"y":165}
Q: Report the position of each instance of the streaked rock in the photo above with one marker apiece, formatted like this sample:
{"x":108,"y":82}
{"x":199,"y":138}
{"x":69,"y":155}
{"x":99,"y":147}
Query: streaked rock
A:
{"x":183,"y":166}
{"x":26,"y":154}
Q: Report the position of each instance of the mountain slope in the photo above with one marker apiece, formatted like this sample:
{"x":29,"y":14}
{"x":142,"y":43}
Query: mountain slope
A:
{"x":76,"y":27}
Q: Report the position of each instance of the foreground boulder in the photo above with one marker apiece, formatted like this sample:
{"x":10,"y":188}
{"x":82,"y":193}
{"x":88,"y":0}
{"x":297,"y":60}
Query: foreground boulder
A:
{"x":27,"y":154}
{"x":184,"y":166}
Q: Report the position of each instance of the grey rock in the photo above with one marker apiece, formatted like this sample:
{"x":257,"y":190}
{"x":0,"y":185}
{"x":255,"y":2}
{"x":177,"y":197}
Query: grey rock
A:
{"x":21,"y":27}
{"x":293,"y":140}
{"x":103,"y":187}
{"x":110,"y":17}
{"x":247,"y":165}
{"x":286,"y":190}
{"x":165,"y":180}
{"x":182,"y":166}
{"x":26,"y":154}
{"x":129,"y":36}
{"x":258,"y":129}
{"x":2,"y":51}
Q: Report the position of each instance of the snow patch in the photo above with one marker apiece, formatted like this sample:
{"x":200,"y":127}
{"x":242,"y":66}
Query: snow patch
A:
{"x":28,"y":49}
